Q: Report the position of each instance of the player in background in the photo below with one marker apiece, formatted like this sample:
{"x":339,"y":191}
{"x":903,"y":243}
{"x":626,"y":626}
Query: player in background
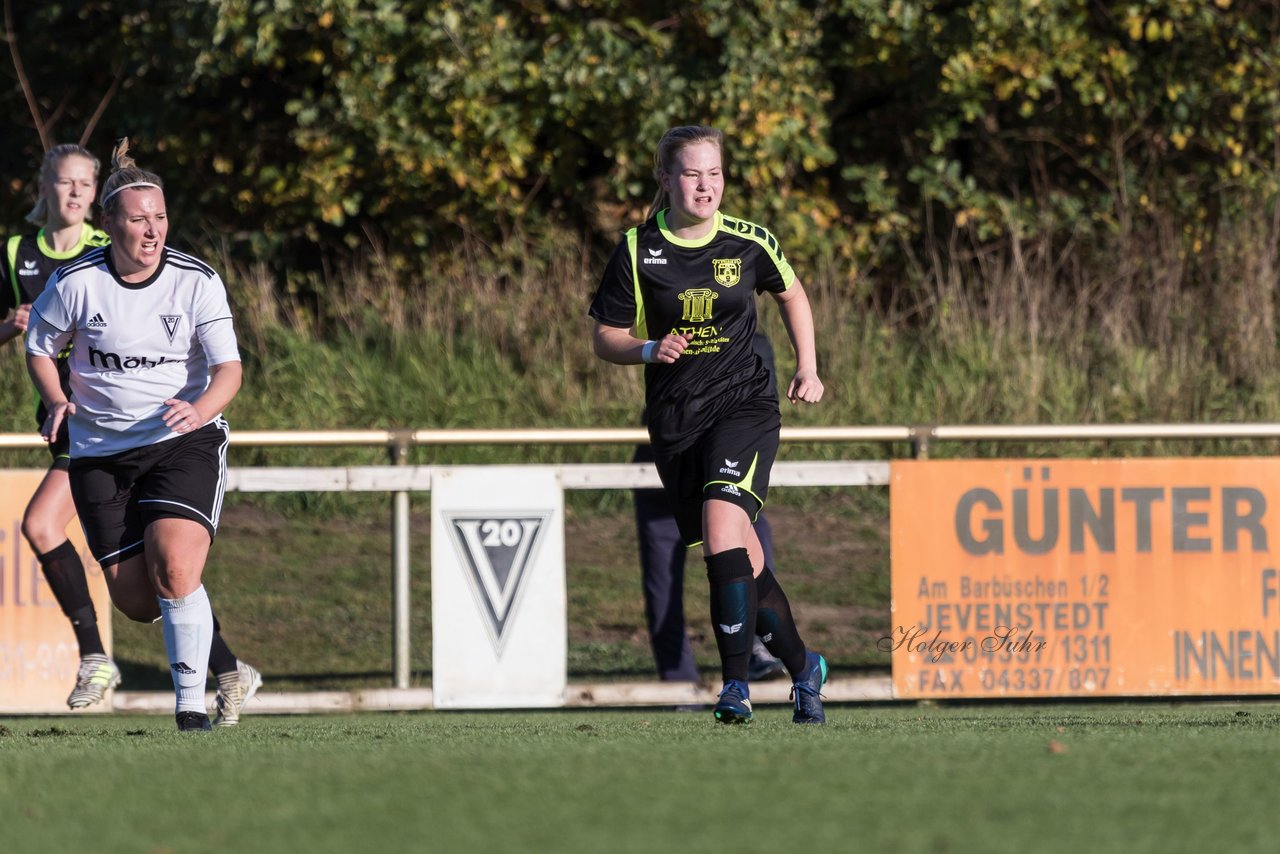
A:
{"x":67,"y":184}
{"x":153,"y":360}
{"x":686,"y":280}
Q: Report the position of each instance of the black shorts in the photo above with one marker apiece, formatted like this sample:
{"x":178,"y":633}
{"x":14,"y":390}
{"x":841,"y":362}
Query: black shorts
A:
{"x":118,"y":496}
{"x":60,"y":449}
{"x":730,"y":461}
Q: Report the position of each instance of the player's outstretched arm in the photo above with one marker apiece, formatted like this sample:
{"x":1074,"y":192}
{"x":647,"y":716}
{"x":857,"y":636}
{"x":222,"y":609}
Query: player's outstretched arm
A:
{"x":798,"y":317}
{"x":44,"y":374}
{"x":224,"y":382}
{"x":15,"y":325}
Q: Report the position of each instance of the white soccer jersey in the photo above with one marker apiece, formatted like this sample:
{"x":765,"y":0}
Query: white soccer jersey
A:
{"x":135,"y":345}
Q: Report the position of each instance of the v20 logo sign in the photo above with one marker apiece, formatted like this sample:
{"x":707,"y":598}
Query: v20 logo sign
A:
{"x":497,"y":553}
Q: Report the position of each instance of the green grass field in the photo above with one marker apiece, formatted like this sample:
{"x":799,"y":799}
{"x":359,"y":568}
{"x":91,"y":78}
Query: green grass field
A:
{"x":1070,"y":778}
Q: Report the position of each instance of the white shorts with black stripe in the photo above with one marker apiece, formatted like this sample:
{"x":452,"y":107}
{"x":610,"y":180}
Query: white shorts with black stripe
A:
{"x":118,"y":496}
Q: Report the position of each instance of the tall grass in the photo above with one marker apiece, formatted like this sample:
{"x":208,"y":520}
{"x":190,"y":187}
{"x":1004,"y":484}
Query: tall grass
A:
{"x":1145,"y":324}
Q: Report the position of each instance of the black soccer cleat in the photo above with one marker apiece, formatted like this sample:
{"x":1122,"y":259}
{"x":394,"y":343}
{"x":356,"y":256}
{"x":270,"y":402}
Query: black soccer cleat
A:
{"x":193,"y":722}
{"x":806,"y":691}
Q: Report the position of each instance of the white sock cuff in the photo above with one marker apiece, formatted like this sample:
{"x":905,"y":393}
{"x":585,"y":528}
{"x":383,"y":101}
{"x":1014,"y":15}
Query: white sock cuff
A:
{"x":195,"y":598}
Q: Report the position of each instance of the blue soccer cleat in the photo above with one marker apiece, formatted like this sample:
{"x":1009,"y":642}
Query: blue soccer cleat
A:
{"x":734,"y":705}
{"x":806,"y":691}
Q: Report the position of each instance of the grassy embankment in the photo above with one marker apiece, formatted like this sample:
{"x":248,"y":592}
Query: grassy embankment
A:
{"x":1030,"y":334}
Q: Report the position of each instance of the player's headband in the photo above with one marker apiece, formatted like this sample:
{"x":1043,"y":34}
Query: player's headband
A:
{"x":108,"y":196}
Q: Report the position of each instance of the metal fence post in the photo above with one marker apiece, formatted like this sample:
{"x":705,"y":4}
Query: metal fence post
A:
{"x":920,"y":436}
{"x":400,"y":566}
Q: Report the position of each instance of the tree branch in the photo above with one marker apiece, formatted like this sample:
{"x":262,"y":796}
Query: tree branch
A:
{"x":41,"y":128}
{"x":102,"y":105}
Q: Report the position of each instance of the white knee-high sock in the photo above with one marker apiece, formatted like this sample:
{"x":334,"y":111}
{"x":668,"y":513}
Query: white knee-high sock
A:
{"x":188,"y":634}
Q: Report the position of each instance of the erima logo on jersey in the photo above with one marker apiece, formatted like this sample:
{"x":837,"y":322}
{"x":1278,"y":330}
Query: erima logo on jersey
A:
{"x":731,"y":467}
{"x":655,"y":257}
{"x":116,"y":362}
{"x":731,"y":630}
{"x":28,"y":269}
{"x":96,"y":322}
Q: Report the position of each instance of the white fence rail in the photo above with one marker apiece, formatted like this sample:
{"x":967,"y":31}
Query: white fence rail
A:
{"x":401,"y":479}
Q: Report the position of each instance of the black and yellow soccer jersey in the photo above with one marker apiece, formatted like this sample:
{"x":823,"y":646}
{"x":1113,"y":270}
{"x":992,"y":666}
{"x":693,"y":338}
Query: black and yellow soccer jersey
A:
{"x":28,"y":262}
{"x":657,"y":284}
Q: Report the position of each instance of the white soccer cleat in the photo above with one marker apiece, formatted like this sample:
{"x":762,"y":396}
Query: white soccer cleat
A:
{"x":234,"y":690}
{"x":97,"y":675}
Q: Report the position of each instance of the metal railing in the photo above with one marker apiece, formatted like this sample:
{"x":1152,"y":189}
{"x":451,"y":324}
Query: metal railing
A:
{"x":400,"y":478}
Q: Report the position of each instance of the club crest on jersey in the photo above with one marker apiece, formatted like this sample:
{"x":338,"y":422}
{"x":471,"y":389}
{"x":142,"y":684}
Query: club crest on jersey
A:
{"x":728,"y":271}
{"x":697,"y":304}
{"x":170,"y":322}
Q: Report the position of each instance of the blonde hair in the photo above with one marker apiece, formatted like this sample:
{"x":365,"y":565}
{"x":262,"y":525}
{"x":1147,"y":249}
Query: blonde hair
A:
{"x":672,"y":143}
{"x":124,"y":171}
{"x":48,"y":172}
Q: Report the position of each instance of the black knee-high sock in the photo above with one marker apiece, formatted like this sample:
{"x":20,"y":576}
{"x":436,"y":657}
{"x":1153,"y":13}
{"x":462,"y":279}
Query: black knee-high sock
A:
{"x":733,"y":610}
{"x":775,"y":625}
{"x":65,"y":574}
{"x":221,"y":659}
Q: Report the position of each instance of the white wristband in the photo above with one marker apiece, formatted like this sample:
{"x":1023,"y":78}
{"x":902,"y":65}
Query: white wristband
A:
{"x":650,"y":352}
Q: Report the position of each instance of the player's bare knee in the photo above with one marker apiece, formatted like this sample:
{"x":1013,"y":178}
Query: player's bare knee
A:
{"x":39,"y":534}
{"x":174,"y":579}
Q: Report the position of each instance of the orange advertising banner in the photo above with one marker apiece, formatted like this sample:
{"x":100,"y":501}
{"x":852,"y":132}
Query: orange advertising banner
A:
{"x":38,"y":652}
{"x":1050,"y":578}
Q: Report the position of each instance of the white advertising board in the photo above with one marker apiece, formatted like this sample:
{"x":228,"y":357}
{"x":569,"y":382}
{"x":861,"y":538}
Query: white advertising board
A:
{"x":497,"y":588}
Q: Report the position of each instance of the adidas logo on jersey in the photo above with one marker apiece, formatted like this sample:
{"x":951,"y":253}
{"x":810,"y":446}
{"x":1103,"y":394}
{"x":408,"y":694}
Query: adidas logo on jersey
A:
{"x":730,"y":489}
{"x":29,"y":269}
{"x":96,"y":322}
{"x":655,"y":257}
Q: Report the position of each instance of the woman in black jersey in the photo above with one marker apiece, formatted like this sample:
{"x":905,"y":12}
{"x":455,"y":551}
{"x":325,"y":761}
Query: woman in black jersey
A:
{"x":685,"y":281}
{"x":68,"y":182}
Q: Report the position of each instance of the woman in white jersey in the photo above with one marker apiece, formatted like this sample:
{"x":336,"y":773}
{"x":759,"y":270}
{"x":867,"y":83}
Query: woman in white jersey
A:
{"x":154,"y":362}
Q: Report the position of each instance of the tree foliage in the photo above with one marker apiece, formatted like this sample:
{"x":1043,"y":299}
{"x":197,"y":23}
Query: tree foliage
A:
{"x":289,"y":127}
